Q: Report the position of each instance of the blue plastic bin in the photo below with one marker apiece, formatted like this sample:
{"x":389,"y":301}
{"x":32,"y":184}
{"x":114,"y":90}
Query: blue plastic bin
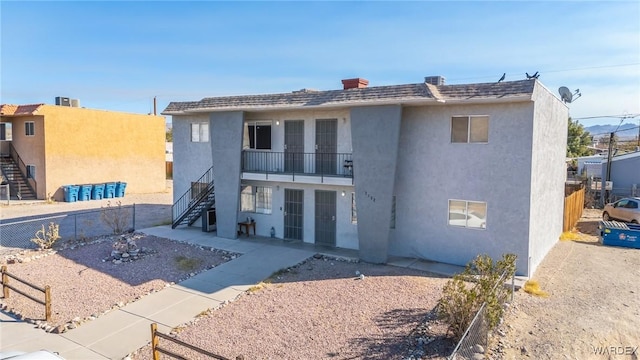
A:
{"x":97,"y":193}
{"x":120,"y":186}
{"x":71,"y":193}
{"x":616,"y":233}
{"x":85,"y":192}
{"x":109,"y":190}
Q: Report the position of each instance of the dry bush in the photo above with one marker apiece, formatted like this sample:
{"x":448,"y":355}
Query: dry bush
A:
{"x":46,"y":238}
{"x":481,"y":282}
{"x":115,"y":217}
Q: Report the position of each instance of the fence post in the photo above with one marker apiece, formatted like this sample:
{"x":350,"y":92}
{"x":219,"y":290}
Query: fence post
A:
{"x":134,"y":216}
{"x":513,"y":279}
{"x":5,"y":282}
{"x":47,"y":303}
{"x":154,"y":342}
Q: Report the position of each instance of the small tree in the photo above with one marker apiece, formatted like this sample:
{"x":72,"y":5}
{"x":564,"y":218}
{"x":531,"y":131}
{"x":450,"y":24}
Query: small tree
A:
{"x":46,"y":238}
{"x":481,"y":282}
{"x":115,"y":217}
{"x":577,"y":140}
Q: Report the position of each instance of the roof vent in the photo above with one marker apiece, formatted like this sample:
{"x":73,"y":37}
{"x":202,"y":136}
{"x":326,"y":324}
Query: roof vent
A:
{"x":434,"y":80}
{"x":304,"y":91}
{"x":356,"y":83}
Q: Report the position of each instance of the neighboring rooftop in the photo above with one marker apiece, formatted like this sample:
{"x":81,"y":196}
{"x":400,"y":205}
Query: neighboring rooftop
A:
{"x":13,"y":110}
{"x":390,"y":94}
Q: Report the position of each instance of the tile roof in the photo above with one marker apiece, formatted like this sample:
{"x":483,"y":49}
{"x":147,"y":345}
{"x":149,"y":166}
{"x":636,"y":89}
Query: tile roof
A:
{"x":379,"y":94}
{"x":16,"y":110}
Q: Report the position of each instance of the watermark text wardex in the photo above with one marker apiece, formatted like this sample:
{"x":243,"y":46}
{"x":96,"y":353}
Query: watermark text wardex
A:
{"x":615,"y":350}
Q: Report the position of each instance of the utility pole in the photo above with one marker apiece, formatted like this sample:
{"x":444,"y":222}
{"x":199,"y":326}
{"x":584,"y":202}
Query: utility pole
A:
{"x":608,"y":178}
{"x":155,"y":103}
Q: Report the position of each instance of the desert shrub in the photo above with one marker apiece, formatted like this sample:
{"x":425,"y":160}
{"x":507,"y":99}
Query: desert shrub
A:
{"x":115,"y":217}
{"x":481,"y":282}
{"x":46,"y":238}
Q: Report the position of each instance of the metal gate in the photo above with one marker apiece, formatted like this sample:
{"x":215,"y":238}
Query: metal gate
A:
{"x":325,"y":218}
{"x":293,"y":214}
{"x":294,"y":146}
{"x":326,"y":146}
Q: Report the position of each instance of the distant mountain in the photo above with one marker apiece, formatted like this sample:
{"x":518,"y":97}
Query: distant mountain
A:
{"x":625,"y":131}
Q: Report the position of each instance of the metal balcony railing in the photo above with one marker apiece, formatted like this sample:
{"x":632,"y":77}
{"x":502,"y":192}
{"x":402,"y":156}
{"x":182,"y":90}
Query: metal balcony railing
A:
{"x":294,"y":163}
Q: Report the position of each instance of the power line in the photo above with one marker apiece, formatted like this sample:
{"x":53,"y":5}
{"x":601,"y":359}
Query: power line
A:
{"x":552,"y":71}
{"x":623,"y":116}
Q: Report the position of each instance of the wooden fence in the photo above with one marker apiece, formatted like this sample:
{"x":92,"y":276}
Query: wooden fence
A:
{"x":169,"y":169}
{"x":573,"y":206}
{"x":46,"y":290}
{"x":156,"y":349}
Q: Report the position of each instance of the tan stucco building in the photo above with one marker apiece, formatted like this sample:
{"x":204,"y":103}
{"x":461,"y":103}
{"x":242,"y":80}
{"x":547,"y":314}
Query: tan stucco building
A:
{"x":62,"y":145}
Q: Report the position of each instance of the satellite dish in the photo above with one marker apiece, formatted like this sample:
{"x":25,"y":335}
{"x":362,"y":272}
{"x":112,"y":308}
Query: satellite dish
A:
{"x":565,"y":94}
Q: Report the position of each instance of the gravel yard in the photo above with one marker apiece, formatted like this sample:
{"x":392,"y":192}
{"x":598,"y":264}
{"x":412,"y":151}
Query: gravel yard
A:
{"x":593,"y":303}
{"x":86,"y":283}
{"x":321,"y":309}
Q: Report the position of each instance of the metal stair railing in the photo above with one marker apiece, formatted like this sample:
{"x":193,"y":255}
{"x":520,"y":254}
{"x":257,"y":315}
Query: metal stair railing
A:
{"x":31,"y":182}
{"x":192,"y":198}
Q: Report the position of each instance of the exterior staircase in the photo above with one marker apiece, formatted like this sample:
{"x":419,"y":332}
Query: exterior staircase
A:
{"x":200,"y":197}
{"x":18,"y":183}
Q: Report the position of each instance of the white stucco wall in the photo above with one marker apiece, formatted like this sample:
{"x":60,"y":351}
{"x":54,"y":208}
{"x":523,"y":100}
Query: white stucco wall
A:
{"x":432,"y":170}
{"x":190,"y":159}
{"x":548,"y":171}
{"x":346,"y":232}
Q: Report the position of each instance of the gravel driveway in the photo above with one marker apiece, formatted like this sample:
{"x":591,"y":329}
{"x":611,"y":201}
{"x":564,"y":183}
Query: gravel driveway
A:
{"x":593,"y":308}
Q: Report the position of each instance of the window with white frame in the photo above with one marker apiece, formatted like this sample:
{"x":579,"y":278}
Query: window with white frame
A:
{"x":200,"y":132}
{"x":469,"y":214}
{"x":257,"y":135}
{"x":256,"y":199}
{"x":470,"y":129}
{"x":354,"y":211}
{"x":5,"y":132}
{"x":29,"y":128}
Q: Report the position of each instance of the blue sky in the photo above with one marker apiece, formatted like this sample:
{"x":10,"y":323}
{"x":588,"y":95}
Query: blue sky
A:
{"x":118,"y":55}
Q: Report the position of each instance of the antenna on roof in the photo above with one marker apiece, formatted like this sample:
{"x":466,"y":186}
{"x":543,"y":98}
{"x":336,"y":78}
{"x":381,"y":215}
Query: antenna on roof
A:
{"x":567,"y":96}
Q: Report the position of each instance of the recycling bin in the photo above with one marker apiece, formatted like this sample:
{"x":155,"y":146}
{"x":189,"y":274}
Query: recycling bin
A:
{"x":120,"y":187}
{"x":109,"y":190}
{"x":85,"y":192}
{"x":71,"y":193}
{"x":97,"y":193}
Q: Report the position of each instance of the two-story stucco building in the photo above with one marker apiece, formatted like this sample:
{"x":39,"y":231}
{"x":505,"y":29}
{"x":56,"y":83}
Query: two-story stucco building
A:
{"x":426,"y":170}
{"x":64,"y":145}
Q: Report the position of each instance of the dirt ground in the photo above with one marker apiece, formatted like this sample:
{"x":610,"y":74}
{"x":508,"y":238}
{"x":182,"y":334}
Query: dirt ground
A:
{"x":593,"y":307}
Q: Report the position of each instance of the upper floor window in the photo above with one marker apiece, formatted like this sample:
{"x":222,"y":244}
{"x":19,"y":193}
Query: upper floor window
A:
{"x":200,"y":132}
{"x":29,"y":128}
{"x":5,"y":131}
{"x":470,"y":129}
{"x":257,"y":135}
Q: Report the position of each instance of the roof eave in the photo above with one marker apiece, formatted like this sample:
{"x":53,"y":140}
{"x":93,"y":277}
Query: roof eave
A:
{"x":305,"y":107}
{"x":407,"y":102}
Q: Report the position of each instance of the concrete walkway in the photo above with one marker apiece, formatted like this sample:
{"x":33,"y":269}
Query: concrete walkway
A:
{"x":120,"y":332}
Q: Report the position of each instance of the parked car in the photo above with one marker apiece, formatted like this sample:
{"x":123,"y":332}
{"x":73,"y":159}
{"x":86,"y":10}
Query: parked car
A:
{"x":627,"y":210}
{"x":462,"y":218}
{"x":36,"y":355}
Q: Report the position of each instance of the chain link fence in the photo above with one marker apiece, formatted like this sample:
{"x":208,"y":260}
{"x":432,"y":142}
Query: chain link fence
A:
{"x":72,"y":226}
{"x":475,"y":341}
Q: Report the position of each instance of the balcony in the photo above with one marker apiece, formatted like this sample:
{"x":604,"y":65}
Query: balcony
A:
{"x":322,"y":168}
